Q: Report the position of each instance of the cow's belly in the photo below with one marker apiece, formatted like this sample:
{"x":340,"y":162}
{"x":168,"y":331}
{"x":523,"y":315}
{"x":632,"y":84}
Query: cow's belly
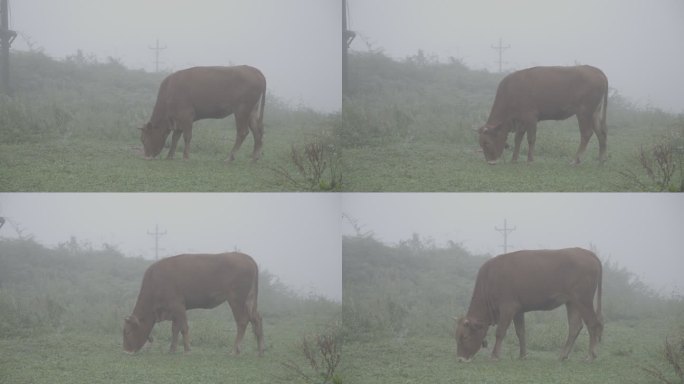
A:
{"x":205,"y":302}
{"x":559,"y":114}
{"x":545,"y":304}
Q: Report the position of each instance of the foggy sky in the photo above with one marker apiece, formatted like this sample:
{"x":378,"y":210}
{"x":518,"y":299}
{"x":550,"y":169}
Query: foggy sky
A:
{"x":638,"y":44}
{"x":296,"y":43}
{"x":641,"y":232}
{"x":294,"y":236}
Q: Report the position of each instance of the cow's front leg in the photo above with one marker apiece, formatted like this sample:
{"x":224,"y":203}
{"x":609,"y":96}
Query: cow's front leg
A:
{"x":501,"y":328}
{"x":187,"y":136}
{"x":531,"y":139}
{"x":175,"y":329}
{"x":185,"y":331}
{"x":518,"y":139}
{"x":174,"y":142}
{"x":519,"y":323}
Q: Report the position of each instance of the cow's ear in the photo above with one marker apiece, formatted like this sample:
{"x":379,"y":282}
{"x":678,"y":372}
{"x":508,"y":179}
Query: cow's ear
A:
{"x":490,"y":128}
{"x":132,"y":320}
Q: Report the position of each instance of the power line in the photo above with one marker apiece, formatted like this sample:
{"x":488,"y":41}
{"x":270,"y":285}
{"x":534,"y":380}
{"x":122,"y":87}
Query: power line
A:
{"x":500,"y":48}
{"x":156,"y":235}
{"x":506,"y":230}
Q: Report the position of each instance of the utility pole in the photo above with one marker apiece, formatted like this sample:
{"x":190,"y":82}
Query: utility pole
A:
{"x":505,"y":230}
{"x":156,"y":50}
{"x":6,"y":38}
{"x":156,"y":235}
{"x":500,"y":48}
{"x":347,"y":38}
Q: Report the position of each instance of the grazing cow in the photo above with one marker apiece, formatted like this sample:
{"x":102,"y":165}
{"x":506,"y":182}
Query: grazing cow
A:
{"x":546,"y":93}
{"x":175,"y":284}
{"x":509,"y":285}
{"x":206,"y":93}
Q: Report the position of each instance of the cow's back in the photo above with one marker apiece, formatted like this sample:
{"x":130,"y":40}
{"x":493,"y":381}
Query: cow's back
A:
{"x":201,"y":280}
{"x":542,"y":279}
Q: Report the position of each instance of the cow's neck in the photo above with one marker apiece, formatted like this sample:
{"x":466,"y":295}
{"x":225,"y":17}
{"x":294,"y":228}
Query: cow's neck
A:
{"x":143,"y":310}
{"x":481,"y":308}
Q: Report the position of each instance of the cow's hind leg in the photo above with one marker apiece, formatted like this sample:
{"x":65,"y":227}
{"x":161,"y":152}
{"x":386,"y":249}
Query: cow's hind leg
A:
{"x":519,"y":323}
{"x":586,"y":127}
{"x":241,"y":316}
{"x":257,"y":131}
{"x":574,"y":328}
{"x":594,"y":326}
{"x":601,"y":134}
{"x":258,"y":329}
{"x":242,"y":126}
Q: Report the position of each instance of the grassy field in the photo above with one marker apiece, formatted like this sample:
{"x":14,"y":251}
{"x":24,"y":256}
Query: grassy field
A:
{"x":92,"y":165}
{"x":62,"y":311}
{"x":399,"y":300}
{"x":410,"y":125}
{"x":85,"y":357}
{"x":73,"y":125}
{"x":624,"y":353}
{"x":405,"y":126}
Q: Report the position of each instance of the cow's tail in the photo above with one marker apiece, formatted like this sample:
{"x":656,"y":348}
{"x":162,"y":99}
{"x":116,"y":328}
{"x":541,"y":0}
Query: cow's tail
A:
{"x":604,"y":127}
{"x":253,"y":313}
{"x":261,"y":110}
{"x":257,"y":116}
{"x":599,"y":293}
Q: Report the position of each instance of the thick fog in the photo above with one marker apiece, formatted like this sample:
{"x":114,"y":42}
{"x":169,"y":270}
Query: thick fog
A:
{"x":641,"y":232}
{"x":638,"y":44}
{"x":294,"y":236}
{"x":296,"y":43}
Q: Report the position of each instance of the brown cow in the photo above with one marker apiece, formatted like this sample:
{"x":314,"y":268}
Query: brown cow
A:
{"x":206,"y":93}
{"x":511,"y":284}
{"x":175,"y":284}
{"x":546,"y":93}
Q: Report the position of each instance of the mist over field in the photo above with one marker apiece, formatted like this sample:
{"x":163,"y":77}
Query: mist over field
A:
{"x":294,"y":43}
{"x":639,"y":232}
{"x":637,"y":44}
{"x":294,"y":237}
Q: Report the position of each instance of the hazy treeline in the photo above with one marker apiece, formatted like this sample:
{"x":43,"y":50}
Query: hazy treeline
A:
{"x":74,"y":287}
{"x":414,"y":288}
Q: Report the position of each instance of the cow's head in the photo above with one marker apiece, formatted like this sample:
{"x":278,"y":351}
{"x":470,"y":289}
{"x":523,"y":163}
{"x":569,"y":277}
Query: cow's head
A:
{"x":493,"y":141}
{"x":153,"y":139}
{"x":136,"y":333}
{"x":470,"y":337}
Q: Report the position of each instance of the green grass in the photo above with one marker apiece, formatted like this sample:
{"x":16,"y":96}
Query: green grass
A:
{"x":426,"y":165}
{"x":62,"y":312}
{"x":432,"y":359}
{"x":91,"y":164}
{"x":86,"y":357}
{"x":410,"y":126}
